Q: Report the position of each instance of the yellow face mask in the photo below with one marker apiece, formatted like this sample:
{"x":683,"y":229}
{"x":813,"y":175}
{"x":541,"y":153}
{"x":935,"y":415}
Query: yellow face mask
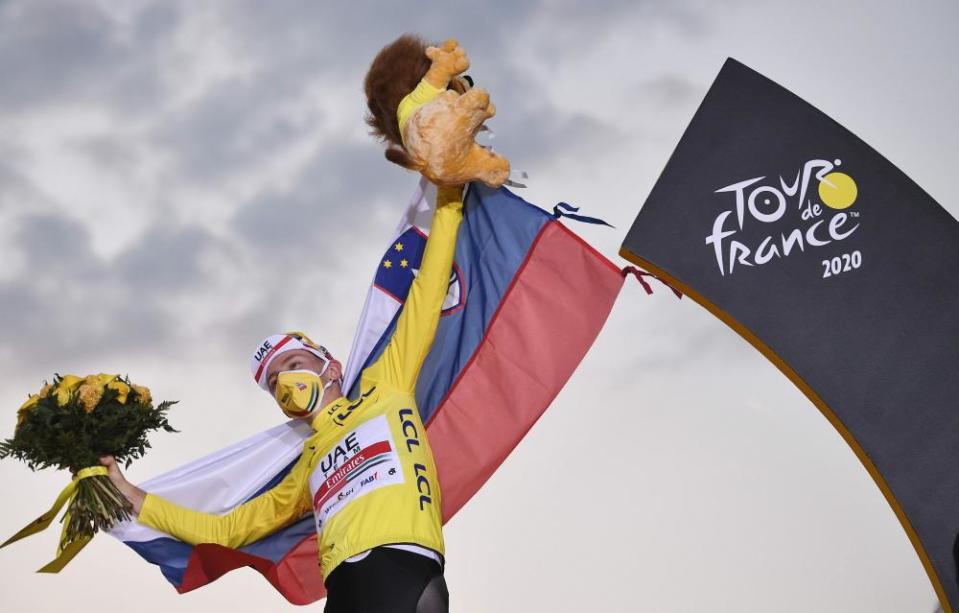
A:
{"x":298,"y":392}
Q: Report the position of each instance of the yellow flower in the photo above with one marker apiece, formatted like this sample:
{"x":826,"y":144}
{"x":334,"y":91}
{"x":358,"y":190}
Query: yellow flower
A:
{"x":45,"y":390}
{"x":70,"y":382}
{"x":26,"y":407}
{"x":65,"y":389}
{"x":101,"y":380}
{"x":143,"y":394}
{"x":31,"y":402}
{"x":122,"y":390}
{"x":90,"y":396}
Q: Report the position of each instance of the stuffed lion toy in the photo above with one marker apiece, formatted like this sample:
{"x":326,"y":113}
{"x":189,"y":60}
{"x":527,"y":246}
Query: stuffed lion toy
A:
{"x":428,"y":115}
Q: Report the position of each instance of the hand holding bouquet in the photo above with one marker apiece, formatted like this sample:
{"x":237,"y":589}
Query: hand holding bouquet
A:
{"x":70,"y":424}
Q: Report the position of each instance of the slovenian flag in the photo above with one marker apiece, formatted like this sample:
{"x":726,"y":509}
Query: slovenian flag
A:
{"x":526,"y":299}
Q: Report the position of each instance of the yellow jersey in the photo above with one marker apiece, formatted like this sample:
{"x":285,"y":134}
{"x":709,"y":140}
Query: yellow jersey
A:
{"x":367,"y":472}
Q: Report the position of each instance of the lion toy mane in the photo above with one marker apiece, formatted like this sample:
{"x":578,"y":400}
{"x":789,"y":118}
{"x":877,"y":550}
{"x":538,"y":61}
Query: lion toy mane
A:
{"x":428,"y":115}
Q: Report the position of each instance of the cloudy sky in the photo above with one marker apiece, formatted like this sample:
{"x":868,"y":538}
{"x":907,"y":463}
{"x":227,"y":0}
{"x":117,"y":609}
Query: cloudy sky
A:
{"x":180,"y":179}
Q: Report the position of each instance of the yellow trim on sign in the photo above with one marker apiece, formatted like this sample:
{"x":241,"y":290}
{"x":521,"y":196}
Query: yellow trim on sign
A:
{"x":816,"y":400}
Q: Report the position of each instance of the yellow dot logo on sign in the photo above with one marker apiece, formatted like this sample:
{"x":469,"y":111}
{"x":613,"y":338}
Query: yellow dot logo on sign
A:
{"x":837,"y":190}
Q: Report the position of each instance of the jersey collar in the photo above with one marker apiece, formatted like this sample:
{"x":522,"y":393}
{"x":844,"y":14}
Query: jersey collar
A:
{"x":331,"y":407}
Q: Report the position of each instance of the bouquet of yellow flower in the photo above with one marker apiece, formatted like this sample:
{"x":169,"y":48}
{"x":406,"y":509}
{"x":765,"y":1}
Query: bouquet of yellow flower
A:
{"x":69,"y":424}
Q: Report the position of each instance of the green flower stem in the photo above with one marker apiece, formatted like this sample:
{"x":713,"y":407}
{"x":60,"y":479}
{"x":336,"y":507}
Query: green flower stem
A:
{"x":98,"y":505}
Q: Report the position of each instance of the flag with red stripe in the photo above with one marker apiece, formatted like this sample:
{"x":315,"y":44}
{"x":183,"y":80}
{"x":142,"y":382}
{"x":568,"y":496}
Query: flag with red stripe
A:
{"x":526,"y":299}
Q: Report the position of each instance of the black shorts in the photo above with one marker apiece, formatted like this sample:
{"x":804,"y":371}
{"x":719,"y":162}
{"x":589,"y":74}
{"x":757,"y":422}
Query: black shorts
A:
{"x":387,"y":581}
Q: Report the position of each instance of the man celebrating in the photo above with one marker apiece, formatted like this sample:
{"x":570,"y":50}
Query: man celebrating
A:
{"x":367,"y":472}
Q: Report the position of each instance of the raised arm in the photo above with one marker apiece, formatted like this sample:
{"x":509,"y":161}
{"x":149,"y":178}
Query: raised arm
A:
{"x":250,"y":521}
{"x":400,"y":363}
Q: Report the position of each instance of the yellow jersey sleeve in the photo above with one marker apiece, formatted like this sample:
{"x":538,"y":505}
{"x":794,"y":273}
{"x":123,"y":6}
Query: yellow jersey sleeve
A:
{"x":282,"y":505}
{"x":400,"y":363}
{"x":423,"y":93}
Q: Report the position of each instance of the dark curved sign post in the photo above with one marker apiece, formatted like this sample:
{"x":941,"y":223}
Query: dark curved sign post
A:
{"x":839,"y":269}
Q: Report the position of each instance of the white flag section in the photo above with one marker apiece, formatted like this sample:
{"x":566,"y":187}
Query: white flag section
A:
{"x":380,"y":307}
{"x":219,"y":482}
